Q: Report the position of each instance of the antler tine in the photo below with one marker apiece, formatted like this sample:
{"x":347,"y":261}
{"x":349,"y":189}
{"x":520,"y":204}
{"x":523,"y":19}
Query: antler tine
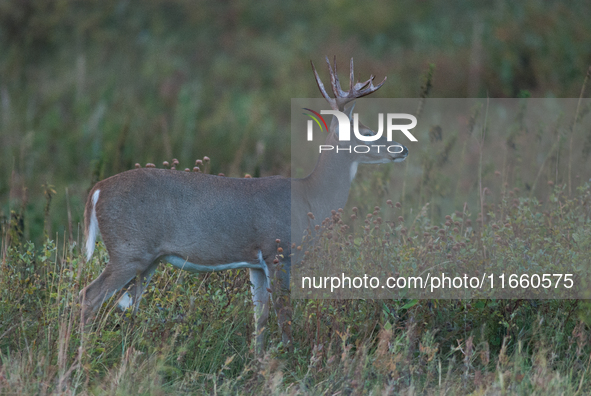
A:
{"x":359,"y":87}
{"x":330,"y":100}
{"x":351,"y":75}
{"x":334,"y":80}
{"x":355,"y":90}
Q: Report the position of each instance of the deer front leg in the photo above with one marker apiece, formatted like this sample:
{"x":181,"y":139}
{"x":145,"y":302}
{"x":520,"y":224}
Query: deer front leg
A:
{"x":260,"y":298}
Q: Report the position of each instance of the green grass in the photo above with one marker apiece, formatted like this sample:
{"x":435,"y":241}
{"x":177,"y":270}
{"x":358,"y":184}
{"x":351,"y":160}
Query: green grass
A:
{"x":89,"y":88}
{"x":192,"y":333}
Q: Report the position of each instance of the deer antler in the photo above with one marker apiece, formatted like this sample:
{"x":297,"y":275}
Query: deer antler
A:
{"x":341,"y":98}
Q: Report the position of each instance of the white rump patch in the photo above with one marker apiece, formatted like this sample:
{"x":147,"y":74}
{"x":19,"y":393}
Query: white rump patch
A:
{"x":125,"y":301}
{"x":92,"y":227}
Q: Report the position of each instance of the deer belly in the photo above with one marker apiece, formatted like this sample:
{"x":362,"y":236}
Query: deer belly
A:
{"x":198,"y":268}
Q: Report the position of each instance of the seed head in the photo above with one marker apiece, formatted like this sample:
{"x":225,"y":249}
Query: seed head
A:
{"x":401,"y":219}
{"x":198,"y":163}
{"x":398,"y":205}
{"x":310,"y":215}
{"x":389,"y":203}
{"x":196,"y":169}
{"x":175,"y":162}
{"x":137,"y":166}
{"x":277,"y":240}
{"x":187,"y":170}
{"x":165,"y":164}
{"x":279,"y":249}
{"x":247,"y":176}
{"x":206,"y":159}
{"x":150,"y":165}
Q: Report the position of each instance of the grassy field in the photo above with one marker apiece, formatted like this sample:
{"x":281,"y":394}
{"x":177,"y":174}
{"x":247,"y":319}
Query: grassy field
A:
{"x":89,"y":88}
{"x":192,"y":333}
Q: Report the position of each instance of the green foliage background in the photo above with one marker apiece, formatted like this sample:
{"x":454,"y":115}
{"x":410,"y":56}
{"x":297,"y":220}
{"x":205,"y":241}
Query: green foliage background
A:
{"x":88,"y":88}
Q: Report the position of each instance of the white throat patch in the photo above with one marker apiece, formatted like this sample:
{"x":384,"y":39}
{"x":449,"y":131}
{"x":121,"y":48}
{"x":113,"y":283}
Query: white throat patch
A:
{"x":353,"y":170}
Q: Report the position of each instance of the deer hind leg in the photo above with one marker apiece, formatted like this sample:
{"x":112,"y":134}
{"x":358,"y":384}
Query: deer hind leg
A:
{"x":260,"y":297}
{"x":282,"y":299}
{"x":117,"y":274}
{"x":136,"y":288}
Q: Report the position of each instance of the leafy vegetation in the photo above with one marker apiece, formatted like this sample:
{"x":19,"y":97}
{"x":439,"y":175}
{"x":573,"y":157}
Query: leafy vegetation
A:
{"x":89,"y":88}
{"x":192,"y":333}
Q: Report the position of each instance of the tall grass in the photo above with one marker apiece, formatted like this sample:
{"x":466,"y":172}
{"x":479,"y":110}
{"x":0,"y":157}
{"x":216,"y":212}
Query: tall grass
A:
{"x":192,"y":333}
{"x":87,"y":89}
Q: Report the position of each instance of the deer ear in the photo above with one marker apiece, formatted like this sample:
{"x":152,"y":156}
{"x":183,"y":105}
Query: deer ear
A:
{"x":349,"y":111}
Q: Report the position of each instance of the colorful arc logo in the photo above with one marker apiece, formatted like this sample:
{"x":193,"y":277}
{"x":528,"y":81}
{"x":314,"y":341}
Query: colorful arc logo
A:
{"x":316,"y":118}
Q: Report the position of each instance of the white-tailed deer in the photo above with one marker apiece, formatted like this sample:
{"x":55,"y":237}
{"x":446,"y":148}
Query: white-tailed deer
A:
{"x":206,"y":223}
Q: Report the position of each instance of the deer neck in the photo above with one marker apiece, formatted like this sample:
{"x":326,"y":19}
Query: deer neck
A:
{"x":330,"y":181}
